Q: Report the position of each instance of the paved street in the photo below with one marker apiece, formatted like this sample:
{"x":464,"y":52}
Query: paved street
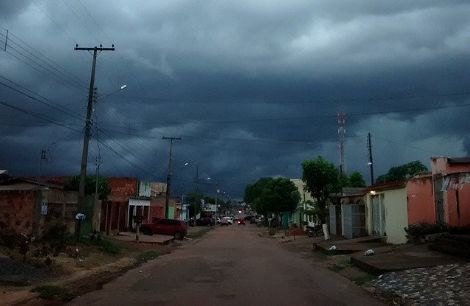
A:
{"x":230,"y":266}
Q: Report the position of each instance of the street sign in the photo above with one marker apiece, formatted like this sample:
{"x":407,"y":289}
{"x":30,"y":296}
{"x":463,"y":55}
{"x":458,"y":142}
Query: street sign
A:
{"x":44,"y":208}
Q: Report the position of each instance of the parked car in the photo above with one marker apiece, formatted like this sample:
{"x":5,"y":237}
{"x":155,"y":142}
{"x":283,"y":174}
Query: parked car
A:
{"x":224,"y":221}
{"x":241,"y":222}
{"x":205,"y":221}
{"x":229,"y":220}
{"x":175,"y":228}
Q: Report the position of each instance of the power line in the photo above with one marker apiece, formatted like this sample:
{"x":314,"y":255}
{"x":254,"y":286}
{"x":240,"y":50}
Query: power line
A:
{"x":39,"y":116}
{"x":40,"y":67}
{"x":44,"y":59}
{"x":43,"y":100}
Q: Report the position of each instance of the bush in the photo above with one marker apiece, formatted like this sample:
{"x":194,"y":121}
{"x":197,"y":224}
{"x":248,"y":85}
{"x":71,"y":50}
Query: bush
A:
{"x":49,"y":292}
{"x":147,"y":255}
{"x":109,"y":247}
{"x":418,"y":232}
{"x":9,"y":239}
{"x":57,"y":237}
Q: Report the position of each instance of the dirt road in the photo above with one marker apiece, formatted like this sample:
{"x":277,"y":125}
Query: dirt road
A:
{"x":230,"y":266}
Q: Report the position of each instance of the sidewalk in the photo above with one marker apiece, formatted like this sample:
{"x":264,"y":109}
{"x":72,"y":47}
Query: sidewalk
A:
{"x":155,"y":239}
{"x":409,"y":274}
{"x":349,"y":246}
{"x":402,"y":257}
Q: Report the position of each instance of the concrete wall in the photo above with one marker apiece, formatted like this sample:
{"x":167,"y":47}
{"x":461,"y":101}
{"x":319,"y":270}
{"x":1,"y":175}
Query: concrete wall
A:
{"x":456,"y":200}
{"x":395,"y":214}
{"x":457,"y":206}
{"x":396,"y":218}
{"x":421,"y":208}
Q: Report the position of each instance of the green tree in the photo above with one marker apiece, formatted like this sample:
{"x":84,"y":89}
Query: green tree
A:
{"x":403,"y":172}
{"x":90,"y":185}
{"x":321,"y":179}
{"x":194,"y":199}
{"x":272,"y":195}
{"x":356,"y":180}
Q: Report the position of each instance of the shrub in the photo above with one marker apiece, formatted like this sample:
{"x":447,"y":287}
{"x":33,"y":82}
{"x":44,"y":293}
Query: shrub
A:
{"x":109,"y":247}
{"x":49,"y":292}
{"x":418,"y":232}
{"x":147,"y":255}
{"x":57,"y":236}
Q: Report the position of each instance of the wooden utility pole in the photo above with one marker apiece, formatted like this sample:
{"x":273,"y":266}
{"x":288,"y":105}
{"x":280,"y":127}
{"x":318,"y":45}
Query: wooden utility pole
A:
{"x":168,"y":177}
{"x":87,"y":133}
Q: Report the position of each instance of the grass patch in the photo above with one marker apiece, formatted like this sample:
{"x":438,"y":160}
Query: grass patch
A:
{"x":147,"y":255}
{"x":49,"y":292}
{"x":335,"y":268}
{"x":109,"y":247}
{"x":319,"y":255}
{"x":361,"y":280}
{"x":199,"y":233}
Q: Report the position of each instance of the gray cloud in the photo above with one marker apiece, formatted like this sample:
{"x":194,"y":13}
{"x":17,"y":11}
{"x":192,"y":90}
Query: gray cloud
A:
{"x":253,"y":87}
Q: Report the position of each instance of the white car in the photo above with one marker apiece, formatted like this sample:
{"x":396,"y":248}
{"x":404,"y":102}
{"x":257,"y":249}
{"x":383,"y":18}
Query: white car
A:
{"x":229,"y":220}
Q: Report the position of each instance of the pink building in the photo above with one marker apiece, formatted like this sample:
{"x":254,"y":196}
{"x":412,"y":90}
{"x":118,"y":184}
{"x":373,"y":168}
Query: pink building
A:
{"x":419,"y":193}
{"x":451,"y":184}
{"x":442,"y":196}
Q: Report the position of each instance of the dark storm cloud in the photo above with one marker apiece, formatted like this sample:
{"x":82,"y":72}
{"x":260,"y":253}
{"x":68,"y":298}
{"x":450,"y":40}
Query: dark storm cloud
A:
{"x":253,"y":87}
{"x":11,"y":8}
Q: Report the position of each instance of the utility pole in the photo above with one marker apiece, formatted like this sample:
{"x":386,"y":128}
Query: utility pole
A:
{"x":371,"y":161}
{"x":168,"y":177}
{"x":43,"y":158}
{"x":97,"y":216}
{"x":341,"y":132}
{"x":6,"y":42}
{"x":196,"y":179}
{"x":87,"y":134}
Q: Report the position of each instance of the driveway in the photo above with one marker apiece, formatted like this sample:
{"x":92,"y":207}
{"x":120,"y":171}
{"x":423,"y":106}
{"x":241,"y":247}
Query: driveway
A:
{"x":231,"y":265}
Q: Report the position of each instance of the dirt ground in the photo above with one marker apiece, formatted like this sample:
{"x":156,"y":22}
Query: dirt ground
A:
{"x":66,"y":277}
{"x":230,"y":266}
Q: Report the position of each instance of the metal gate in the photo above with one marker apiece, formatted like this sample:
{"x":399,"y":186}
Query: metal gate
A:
{"x":378,"y":215}
{"x":353,"y":220}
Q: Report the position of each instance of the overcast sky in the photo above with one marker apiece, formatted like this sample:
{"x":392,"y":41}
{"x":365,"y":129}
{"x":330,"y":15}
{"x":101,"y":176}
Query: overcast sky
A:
{"x":253,"y":88}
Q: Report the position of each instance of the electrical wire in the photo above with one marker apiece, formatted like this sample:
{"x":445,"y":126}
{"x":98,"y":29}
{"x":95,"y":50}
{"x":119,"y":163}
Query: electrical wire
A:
{"x":37,"y":54}
{"x":39,"y":116}
{"x":42,"y":99}
{"x":29,"y":61}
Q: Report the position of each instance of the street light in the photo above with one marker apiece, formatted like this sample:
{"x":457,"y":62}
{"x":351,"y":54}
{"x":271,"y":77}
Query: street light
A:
{"x":123,"y":86}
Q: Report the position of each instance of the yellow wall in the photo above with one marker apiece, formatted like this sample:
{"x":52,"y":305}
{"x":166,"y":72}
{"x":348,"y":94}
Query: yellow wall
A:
{"x":304,"y":194}
{"x":396,"y":215}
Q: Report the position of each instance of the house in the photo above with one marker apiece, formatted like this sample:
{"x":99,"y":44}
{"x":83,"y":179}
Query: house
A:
{"x":30,"y":207}
{"x":451,"y":185}
{"x":386,"y":211}
{"x":301,"y":215}
{"x":115,"y":209}
{"x":353,"y":216}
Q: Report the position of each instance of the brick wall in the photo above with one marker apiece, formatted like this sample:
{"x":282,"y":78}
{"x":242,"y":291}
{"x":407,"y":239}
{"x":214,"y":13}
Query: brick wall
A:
{"x":123,"y":186}
{"x":17,"y":209}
